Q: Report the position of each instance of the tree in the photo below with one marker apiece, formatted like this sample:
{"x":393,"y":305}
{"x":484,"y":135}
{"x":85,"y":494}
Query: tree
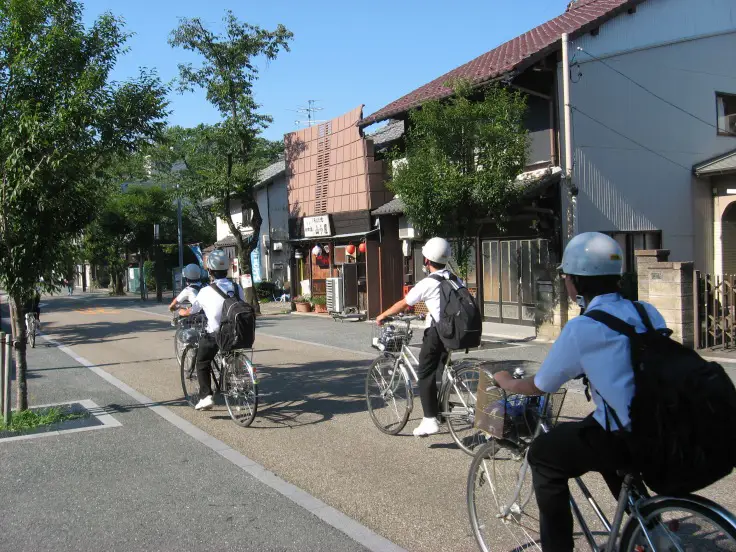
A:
{"x":461,"y":159}
{"x":61,"y":123}
{"x":224,"y":160}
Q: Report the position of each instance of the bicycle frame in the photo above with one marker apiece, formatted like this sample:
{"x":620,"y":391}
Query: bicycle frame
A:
{"x":630,"y":496}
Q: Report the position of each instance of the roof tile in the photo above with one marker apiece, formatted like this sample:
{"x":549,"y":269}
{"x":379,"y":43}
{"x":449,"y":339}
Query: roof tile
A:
{"x":508,"y":56}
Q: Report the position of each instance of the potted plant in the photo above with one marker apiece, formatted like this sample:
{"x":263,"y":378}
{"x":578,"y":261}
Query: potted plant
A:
{"x":303,"y":303}
{"x":320,"y":304}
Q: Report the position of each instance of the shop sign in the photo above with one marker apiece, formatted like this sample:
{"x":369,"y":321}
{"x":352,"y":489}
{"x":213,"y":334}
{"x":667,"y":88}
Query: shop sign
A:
{"x":317,"y":227}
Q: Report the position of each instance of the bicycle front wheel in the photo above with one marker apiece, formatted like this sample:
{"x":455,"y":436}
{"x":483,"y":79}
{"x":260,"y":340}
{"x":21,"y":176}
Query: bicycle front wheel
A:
{"x":189,"y":381}
{"x":500,"y":495}
{"x":388,"y":394}
{"x":687,"y":524}
{"x":459,"y":409}
{"x":178,"y":348}
{"x":240,"y":388}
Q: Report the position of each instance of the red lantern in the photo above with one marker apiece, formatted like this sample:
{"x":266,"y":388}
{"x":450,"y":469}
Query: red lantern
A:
{"x":362,"y":247}
{"x":350,"y":249}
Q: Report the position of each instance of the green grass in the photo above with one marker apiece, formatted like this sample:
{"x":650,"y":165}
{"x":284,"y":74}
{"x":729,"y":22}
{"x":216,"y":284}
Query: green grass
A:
{"x":31,"y":419}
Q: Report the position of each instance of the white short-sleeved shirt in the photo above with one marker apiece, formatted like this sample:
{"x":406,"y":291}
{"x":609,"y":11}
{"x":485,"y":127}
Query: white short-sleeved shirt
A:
{"x":603,"y":355}
{"x":428,"y":291}
{"x":188,"y":294}
{"x":211,"y":302}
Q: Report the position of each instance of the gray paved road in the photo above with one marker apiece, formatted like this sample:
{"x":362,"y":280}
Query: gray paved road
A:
{"x":313,"y":430}
{"x":144,"y":486}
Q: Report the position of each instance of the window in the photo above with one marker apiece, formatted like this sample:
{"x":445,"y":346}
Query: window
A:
{"x":726,"y":104}
{"x":634,"y":241}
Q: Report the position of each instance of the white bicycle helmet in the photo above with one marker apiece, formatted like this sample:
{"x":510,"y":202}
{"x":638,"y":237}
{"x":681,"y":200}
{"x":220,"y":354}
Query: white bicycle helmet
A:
{"x":593,"y":254}
{"x":192,"y":272}
{"x":218,"y":260}
{"x":437,"y":250}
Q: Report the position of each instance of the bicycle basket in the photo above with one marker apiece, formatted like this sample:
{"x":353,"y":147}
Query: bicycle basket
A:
{"x":390,"y":337}
{"x":511,"y":416}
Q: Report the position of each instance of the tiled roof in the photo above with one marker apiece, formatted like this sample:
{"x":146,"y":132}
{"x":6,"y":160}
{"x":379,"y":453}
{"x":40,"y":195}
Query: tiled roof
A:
{"x":515,"y":54}
{"x":385,"y":135}
{"x":394,"y":207}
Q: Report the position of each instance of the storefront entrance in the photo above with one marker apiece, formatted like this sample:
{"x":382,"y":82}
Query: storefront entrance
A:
{"x":510,"y":270}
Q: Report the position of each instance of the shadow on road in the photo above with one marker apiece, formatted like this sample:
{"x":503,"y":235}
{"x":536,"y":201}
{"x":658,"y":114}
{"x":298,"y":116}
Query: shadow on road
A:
{"x":96,"y":332}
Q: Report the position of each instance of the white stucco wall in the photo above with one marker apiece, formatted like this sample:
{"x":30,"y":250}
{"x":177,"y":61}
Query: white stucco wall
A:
{"x":682,"y":50}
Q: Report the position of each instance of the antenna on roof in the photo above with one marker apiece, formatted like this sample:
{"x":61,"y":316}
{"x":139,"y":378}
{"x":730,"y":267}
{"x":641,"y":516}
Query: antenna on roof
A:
{"x":309,"y":110}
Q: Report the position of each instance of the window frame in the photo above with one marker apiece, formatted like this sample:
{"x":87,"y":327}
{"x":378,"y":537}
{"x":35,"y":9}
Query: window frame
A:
{"x":630,"y":251}
{"x":720,"y":95}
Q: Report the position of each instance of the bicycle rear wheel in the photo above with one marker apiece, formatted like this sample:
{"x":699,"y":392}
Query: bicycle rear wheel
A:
{"x":388,"y":394}
{"x":683,"y":524}
{"x":459,"y":409}
{"x":189,"y":381}
{"x":240,"y":389}
{"x":500,"y":495}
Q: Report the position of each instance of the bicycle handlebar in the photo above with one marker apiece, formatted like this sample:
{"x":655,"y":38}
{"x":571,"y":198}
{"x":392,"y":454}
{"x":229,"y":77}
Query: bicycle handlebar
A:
{"x":404,"y":318}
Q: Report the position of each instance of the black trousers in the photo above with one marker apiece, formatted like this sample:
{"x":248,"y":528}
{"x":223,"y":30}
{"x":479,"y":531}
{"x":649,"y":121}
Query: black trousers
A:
{"x":568,"y":451}
{"x":431,"y":357}
{"x":206,"y":352}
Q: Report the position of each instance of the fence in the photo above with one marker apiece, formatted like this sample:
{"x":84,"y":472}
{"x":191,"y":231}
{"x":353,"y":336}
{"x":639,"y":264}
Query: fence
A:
{"x":714,"y":302}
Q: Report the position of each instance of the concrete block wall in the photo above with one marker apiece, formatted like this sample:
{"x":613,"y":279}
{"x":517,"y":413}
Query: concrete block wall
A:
{"x":668,"y":286}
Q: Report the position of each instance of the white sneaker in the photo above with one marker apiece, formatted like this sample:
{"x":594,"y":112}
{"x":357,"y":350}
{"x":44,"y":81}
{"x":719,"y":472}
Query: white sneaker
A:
{"x":205,"y":404}
{"x":429,"y":426}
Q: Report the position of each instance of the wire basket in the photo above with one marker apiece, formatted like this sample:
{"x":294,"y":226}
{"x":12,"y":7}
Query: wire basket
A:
{"x":390,"y":337}
{"x":510,"y":416}
{"x":192,"y":322}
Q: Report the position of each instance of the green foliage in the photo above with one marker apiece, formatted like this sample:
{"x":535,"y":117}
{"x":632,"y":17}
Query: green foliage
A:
{"x":149,"y":274}
{"x":62,"y":121}
{"x":319,"y":300}
{"x":265,"y":289}
{"x":462,"y":157}
{"x":222,"y":161}
{"x":31,"y":419}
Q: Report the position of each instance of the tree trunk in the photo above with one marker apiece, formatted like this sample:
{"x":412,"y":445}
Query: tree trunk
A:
{"x":19,"y":344}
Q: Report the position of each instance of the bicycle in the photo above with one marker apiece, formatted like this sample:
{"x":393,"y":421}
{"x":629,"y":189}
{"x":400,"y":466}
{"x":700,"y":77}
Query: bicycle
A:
{"x":389,"y":388}
{"x":500,"y":492}
{"x":31,"y":328}
{"x":188,"y":330}
{"x":234,"y":376}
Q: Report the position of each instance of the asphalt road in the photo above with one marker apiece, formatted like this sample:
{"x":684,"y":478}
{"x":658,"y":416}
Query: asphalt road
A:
{"x":143,"y":486}
{"x":313,"y":429}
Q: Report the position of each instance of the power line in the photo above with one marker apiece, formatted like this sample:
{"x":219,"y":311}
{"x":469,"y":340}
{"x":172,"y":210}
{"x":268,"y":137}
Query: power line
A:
{"x":685,"y":111}
{"x":650,"y":150}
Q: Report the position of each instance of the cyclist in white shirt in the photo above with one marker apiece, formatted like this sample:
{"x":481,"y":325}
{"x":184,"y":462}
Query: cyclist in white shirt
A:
{"x":436,"y":253}
{"x":209,"y":301}
{"x":193,"y":276}
{"x":591,"y":266}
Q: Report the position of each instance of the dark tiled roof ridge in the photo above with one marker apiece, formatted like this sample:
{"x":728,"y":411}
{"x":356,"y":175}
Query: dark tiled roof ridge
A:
{"x":510,"y":55}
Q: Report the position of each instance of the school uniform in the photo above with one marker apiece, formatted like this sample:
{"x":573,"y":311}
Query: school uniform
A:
{"x":585,"y":347}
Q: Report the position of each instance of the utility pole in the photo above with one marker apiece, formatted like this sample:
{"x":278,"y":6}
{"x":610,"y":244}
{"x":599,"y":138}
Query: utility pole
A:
{"x":568,"y":132}
{"x":157,"y":266}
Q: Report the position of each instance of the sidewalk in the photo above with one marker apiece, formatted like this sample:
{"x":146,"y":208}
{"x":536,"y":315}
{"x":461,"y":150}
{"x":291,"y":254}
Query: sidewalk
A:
{"x":149,"y":484}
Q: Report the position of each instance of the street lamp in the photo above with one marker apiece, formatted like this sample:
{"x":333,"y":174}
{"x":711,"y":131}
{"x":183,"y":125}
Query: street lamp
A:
{"x":157,"y":260}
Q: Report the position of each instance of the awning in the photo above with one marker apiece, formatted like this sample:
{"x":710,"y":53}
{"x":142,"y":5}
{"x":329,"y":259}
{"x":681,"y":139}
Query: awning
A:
{"x":722,"y":164}
{"x":336,"y":237}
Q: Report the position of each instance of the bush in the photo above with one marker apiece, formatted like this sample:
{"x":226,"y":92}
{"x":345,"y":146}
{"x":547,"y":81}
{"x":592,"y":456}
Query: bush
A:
{"x":149,"y":274}
{"x":319,"y":300}
{"x":265,"y":289}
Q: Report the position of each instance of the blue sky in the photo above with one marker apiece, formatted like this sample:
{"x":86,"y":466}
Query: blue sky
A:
{"x":344,"y":53}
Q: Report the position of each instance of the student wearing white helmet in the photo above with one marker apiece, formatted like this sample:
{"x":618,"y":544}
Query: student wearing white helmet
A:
{"x":592,"y":266}
{"x":437,"y":253}
{"x":211,"y":302}
{"x":192,"y":275}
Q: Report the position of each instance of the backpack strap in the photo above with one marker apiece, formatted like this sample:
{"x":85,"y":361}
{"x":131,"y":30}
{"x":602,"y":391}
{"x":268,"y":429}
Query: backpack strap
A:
{"x":221,"y":293}
{"x":619,"y":326}
{"x":643,"y":315}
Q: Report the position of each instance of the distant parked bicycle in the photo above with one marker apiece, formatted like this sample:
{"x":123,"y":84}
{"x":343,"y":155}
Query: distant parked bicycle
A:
{"x":31,"y":328}
{"x":500,"y":493}
{"x":389,"y":386}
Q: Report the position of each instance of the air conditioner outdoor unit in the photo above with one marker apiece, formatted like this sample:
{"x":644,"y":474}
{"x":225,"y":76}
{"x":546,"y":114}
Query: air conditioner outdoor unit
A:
{"x":334,"y":295}
{"x":406,"y":230}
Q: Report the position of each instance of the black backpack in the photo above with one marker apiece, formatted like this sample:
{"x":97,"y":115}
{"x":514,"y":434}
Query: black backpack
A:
{"x":460,"y":325}
{"x":683,"y":413}
{"x":237,"y":323}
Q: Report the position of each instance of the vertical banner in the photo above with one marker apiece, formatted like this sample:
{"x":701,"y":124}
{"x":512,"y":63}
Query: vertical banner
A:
{"x":255,"y":264}
{"x":198,"y":253}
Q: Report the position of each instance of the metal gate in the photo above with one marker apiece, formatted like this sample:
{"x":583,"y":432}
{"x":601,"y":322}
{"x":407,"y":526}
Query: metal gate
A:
{"x":509,"y":270}
{"x":713,"y":305}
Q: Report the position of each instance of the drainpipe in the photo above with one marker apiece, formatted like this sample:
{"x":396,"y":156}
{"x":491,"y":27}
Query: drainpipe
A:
{"x":568,"y":130}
